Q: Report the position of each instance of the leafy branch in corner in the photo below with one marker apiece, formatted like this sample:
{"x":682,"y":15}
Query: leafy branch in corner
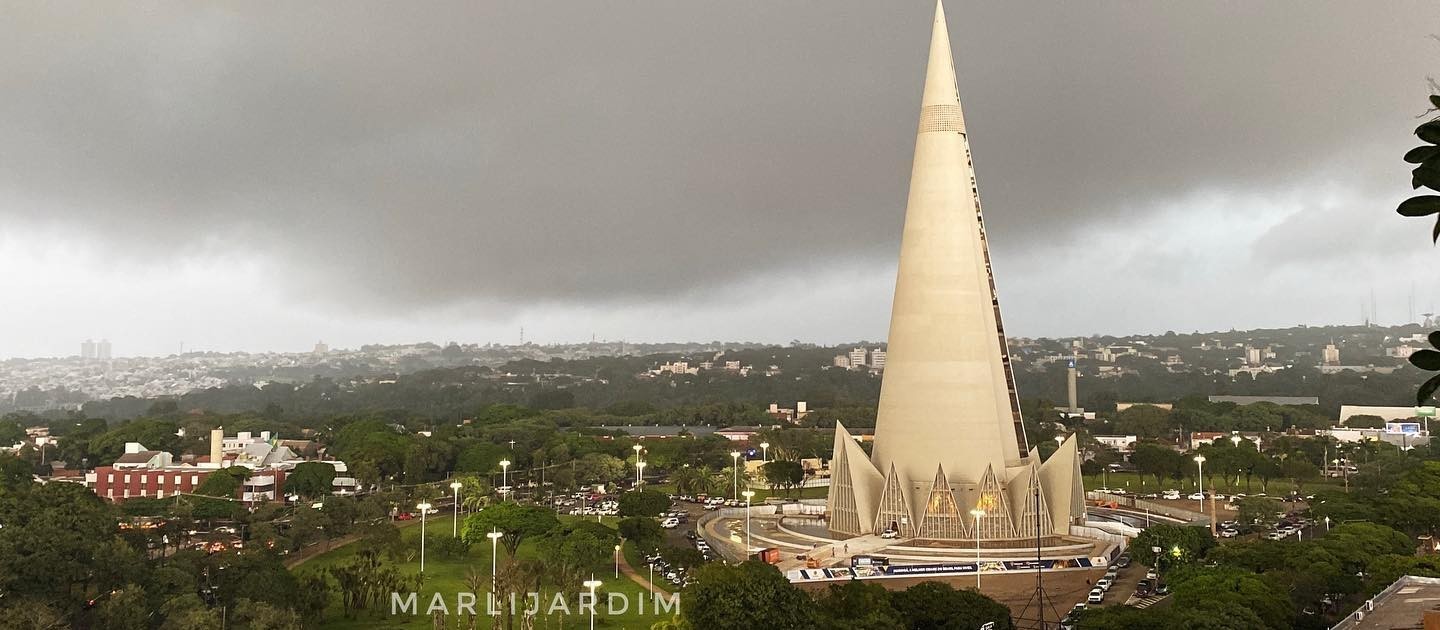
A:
{"x":1426,"y":173}
{"x":1428,"y":360}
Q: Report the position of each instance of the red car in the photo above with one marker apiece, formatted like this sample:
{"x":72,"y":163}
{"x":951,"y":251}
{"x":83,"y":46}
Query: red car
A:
{"x":404,"y":516}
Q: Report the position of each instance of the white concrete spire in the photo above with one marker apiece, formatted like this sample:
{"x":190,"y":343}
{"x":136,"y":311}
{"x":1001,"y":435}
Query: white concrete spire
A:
{"x":947,"y":401}
{"x":945,"y":398}
{"x":940,"y":72}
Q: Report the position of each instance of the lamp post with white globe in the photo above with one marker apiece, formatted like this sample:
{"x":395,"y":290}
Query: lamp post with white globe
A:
{"x":592,"y":584}
{"x":749,"y":494}
{"x":735,"y":470}
{"x":764,"y":452}
{"x":978,"y":514}
{"x":455,"y":522}
{"x":1200,"y":465}
{"x":424,"y":509}
{"x":505,"y":479}
{"x":494,"y":537}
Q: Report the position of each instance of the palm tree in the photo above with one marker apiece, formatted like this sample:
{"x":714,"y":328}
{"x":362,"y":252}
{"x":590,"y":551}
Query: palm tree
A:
{"x":689,"y":480}
{"x":474,"y":494}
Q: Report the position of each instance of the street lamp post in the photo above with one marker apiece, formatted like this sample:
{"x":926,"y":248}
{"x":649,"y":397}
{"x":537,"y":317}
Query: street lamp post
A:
{"x":639,"y":464}
{"x":455,"y":522}
{"x":505,"y":478}
{"x":494,"y":537}
{"x":424,"y":509}
{"x":748,"y":495}
{"x":617,"y":562}
{"x":735,"y":470}
{"x":592,"y":584}
{"x":977,"y":513}
{"x":764,"y":452}
{"x":1200,"y":464}
{"x":1235,"y":440}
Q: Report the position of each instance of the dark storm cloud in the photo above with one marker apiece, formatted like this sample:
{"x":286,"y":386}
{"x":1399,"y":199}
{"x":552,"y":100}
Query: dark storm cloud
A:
{"x":392,"y":156}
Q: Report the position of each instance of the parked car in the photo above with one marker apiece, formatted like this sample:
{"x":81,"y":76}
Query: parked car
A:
{"x":670,"y":523}
{"x":1123,"y":561}
{"x":1144,"y":588}
{"x":1096,"y":596}
{"x":1104,"y":584}
{"x":1228,"y":533}
{"x":1197,"y":496}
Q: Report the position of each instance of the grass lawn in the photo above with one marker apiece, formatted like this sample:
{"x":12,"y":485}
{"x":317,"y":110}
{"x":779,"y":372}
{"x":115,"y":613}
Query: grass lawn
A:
{"x":447,"y":576}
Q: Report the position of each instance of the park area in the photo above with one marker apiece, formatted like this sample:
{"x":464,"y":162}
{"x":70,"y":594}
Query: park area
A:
{"x":450,"y":571}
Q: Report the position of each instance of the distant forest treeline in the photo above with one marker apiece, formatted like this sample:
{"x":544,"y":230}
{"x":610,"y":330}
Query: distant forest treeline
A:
{"x":611,"y":390}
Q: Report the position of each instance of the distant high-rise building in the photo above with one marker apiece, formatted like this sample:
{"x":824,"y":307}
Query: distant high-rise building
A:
{"x":857,"y":357}
{"x":87,"y":349}
{"x":1331,"y":355}
{"x":841,"y":361}
{"x":877,"y":359}
{"x":1072,"y":390}
{"x":102,"y":350}
{"x":1253,"y":356}
{"x":321,"y":347}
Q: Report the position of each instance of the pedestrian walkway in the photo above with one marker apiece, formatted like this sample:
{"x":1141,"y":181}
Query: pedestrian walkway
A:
{"x":640,"y":578}
{"x":1144,"y":602}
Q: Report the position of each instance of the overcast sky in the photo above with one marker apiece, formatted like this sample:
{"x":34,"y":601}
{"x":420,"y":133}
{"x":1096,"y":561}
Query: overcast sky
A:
{"x":267,"y":175}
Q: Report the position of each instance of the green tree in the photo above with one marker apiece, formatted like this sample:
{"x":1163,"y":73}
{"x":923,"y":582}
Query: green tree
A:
{"x":645,"y":532}
{"x":1227,"y":588}
{"x":517,"y":522}
{"x":252,"y":615}
{"x":1178,"y":544}
{"x":939,"y":606}
{"x":124,"y":609}
{"x":783,"y":474}
{"x":311,"y":480}
{"x":745,"y":596}
{"x":224,"y":482}
{"x":857,"y":605}
{"x":1365,"y":421}
{"x":51,"y":539}
{"x":1147,"y":421}
{"x":572,"y":551}
{"x":599,"y":468}
{"x":690,"y":480}
{"x":1157,"y":461}
{"x":643,"y":503}
{"x":1260,"y":511}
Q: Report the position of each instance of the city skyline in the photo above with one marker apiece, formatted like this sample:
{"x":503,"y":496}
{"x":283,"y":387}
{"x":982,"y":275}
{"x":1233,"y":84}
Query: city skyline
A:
{"x":207,"y":188}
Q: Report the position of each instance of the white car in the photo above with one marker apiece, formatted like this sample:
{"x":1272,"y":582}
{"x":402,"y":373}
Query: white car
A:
{"x":1096,"y":596}
{"x":1103,"y":584}
{"x":1171,"y":495}
{"x":670,"y":523}
{"x":1150,"y":574}
{"x":1228,"y":533}
{"x":1196,"y":496}
{"x":889,"y":533}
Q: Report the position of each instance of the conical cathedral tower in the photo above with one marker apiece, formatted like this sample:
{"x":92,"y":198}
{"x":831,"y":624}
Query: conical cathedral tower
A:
{"x":948,"y":404}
